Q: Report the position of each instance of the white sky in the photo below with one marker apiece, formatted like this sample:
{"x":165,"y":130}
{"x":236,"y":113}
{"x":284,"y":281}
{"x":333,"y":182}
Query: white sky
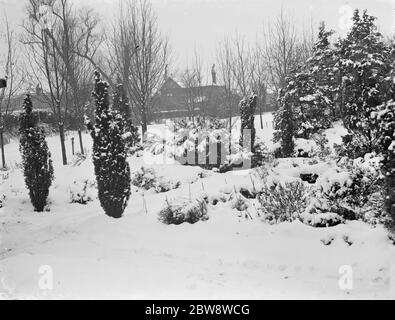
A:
{"x":202,"y":23}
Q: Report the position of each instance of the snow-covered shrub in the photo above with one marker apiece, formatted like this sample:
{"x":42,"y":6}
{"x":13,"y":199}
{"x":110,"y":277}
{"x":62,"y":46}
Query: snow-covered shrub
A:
{"x":214,"y":199}
{"x":247,"y":118}
{"x":36,"y":158}
{"x":283,"y":201}
{"x":2,"y":200}
{"x":109,"y":153}
{"x":261,"y":154}
{"x":284,"y":122}
{"x":385,"y":120}
{"x":240,"y":204}
{"x":184,"y":211}
{"x":321,"y":220}
{"x":131,"y":133}
{"x":148,"y":179}
{"x":354,"y":146}
{"x":323,"y":151}
{"x":354,"y":190}
{"x":82,"y":192}
{"x":203,"y":143}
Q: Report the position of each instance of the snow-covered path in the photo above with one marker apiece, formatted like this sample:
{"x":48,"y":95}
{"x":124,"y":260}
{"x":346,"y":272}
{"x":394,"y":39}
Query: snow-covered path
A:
{"x":137,"y":257}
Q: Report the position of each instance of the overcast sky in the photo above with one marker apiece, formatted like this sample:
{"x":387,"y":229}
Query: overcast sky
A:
{"x":202,"y":23}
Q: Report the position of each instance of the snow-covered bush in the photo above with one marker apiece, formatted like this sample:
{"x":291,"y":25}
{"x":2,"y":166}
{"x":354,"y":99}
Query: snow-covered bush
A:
{"x":353,"y":146}
{"x":385,"y":120}
{"x":261,"y":154}
{"x":184,"y":211}
{"x":321,"y":220}
{"x":36,"y":158}
{"x":247,"y":118}
{"x":131,"y":133}
{"x":220,"y":197}
{"x":109,"y":153}
{"x":323,"y":151}
{"x":354,"y":190}
{"x":240,"y":204}
{"x":283,"y":201}
{"x":82,"y":192}
{"x":284,"y":122}
{"x":2,"y":200}
{"x":148,"y":179}
{"x":203,"y":143}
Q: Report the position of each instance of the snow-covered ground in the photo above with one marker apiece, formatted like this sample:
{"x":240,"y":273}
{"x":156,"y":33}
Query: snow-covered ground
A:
{"x":90,"y":255}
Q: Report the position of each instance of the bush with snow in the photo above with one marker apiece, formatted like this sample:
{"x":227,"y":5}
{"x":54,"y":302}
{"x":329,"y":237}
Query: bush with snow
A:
{"x":2,"y":200}
{"x":148,"y":179}
{"x":240,"y":204}
{"x":36,"y":158}
{"x":203,"y":143}
{"x":82,"y":192}
{"x":354,"y":190}
{"x":283,"y":201}
{"x":112,"y":169}
{"x":179,"y":212}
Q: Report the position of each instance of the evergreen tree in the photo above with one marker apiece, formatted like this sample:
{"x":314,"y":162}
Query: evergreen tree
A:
{"x":311,"y":107}
{"x":384,"y":121}
{"x":109,"y":155}
{"x":364,"y":64}
{"x":322,"y":68}
{"x":384,"y":118}
{"x":284,"y":122}
{"x":36,"y":158}
{"x":121,"y":104}
{"x":247,"y":113}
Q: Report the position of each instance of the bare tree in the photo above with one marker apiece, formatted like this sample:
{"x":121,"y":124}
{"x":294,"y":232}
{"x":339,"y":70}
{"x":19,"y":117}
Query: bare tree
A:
{"x":306,"y":42}
{"x":226,"y":76}
{"x":259,"y":82}
{"x":189,"y":82}
{"x":280,"y":49}
{"x":42,"y":36}
{"x":144,"y":66}
{"x":243,"y":65}
{"x":60,"y":41}
{"x":122,"y":49}
{"x":13,"y":76}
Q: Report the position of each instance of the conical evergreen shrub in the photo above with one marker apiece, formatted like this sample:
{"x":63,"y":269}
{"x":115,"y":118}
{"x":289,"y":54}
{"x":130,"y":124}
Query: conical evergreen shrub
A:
{"x":109,"y":155}
{"x":36,"y":158}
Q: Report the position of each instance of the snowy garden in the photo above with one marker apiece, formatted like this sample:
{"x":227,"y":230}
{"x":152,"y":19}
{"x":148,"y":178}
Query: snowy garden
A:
{"x":292,"y":204}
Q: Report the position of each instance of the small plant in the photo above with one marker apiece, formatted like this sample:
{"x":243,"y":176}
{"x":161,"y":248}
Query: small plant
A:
{"x":283,"y":202}
{"x":82,"y":192}
{"x":240,"y":204}
{"x":148,"y":179}
{"x":185,"y":211}
{"x":322,"y":141}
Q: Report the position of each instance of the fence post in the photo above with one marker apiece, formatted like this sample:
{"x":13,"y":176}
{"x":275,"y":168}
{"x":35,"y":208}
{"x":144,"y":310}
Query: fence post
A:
{"x":72,"y":145}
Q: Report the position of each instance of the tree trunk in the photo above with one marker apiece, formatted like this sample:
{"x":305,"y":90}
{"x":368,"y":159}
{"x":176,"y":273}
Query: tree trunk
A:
{"x":144,"y":126}
{"x":2,"y":146}
{"x":63,"y":143}
{"x":81,"y":144}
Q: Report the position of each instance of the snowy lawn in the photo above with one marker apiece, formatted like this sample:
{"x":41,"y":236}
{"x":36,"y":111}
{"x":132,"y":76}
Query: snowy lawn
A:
{"x":137,"y":257}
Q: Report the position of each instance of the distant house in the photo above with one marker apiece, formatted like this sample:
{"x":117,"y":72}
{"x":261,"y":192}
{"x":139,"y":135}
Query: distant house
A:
{"x":39,"y":100}
{"x":174,"y":101}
